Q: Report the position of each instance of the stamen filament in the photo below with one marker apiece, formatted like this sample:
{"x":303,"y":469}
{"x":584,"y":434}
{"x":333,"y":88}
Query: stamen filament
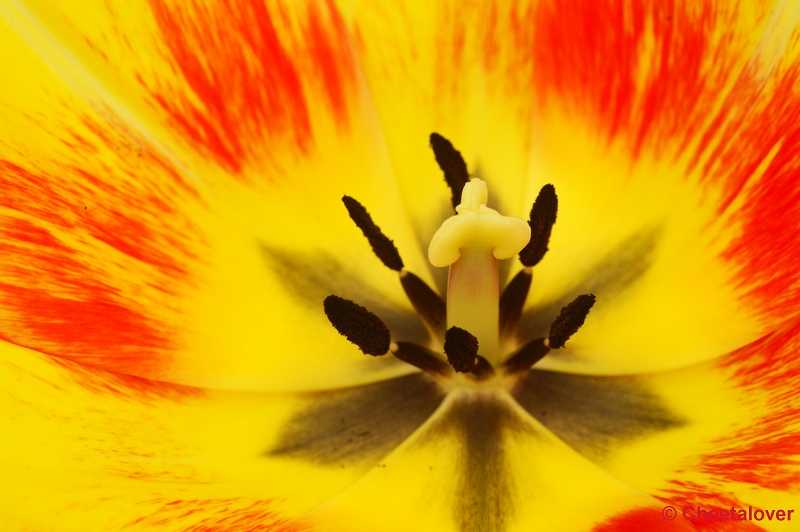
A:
{"x":527,"y":356}
{"x":513,"y":300}
{"x":429,"y":306}
{"x":482,"y":370}
{"x":419,"y":356}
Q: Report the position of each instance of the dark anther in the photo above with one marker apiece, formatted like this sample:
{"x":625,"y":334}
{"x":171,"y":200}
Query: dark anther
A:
{"x":570,"y":320}
{"x":429,"y":306}
{"x":543,"y":216}
{"x":421,"y":357}
{"x":461,"y":348}
{"x":527,"y":356}
{"x":452,"y":164}
{"x":382,"y":246}
{"x":358,"y":325}
{"x":483,"y":369}
{"x":512,"y":301}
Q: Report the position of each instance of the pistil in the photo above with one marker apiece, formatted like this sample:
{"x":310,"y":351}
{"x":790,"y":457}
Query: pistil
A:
{"x":470,"y":243}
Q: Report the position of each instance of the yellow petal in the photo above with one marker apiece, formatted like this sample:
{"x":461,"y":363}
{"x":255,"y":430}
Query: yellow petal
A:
{"x":452,"y":68}
{"x":668,"y":134}
{"x":718,"y":434}
{"x":670,"y":137}
{"x":87,"y":449}
{"x":480,"y":464}
{"x":135,"y":245}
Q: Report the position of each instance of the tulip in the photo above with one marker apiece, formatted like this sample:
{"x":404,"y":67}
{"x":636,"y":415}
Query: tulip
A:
{"x":175,"y":249}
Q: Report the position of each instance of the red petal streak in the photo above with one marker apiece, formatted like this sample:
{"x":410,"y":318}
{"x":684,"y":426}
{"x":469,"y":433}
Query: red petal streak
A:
{"x":652,"y":75}
{"x":120,"y":386}
{"x":593,"y":60}
{"x":218,"y":515}
{"x":683,"y":494}
{"x":767,"y":253}
{"x":642,"y":519}
{"x":517,"y":42}
{"x":250,"y":82}
{"x":767,"y":451}
{"x":94,"y":260}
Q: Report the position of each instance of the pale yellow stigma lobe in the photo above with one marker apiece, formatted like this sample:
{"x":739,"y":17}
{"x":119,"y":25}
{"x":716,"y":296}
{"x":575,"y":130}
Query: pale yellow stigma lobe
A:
{"x":478,"y":227}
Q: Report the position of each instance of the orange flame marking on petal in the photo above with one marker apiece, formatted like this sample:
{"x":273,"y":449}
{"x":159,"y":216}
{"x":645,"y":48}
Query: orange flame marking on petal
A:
{"x":511,"y":34}
{"x":649,"y":519}
{"x":66,"y":230}
{"x":593,"y":59}
{"x":252,"y":84}
{"x":60,"y":306}
{"x":103,"y":382}
{"x":683,"y":494}
{"x":766,"y":451}
{"x":768,"y":251}
{"x":334,"y":62}
{"x":219,"y":515}
{"x":593,"y":63}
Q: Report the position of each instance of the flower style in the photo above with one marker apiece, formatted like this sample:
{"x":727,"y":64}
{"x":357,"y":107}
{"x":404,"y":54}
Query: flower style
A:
{"x":171,"y":222}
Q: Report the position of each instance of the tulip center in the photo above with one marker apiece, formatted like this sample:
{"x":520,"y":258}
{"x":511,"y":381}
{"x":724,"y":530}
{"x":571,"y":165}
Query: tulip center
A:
{"x":475,"y":315}
{"x":470,"y":243}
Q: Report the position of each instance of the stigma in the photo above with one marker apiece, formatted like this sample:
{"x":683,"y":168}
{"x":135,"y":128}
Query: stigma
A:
{"x":470,"y":243}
